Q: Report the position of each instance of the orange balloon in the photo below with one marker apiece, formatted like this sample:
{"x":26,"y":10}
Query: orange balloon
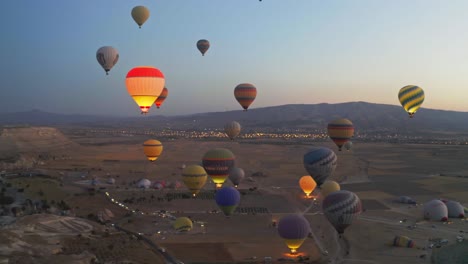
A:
{"x":152,"y":149}
{"x":307,"y":184}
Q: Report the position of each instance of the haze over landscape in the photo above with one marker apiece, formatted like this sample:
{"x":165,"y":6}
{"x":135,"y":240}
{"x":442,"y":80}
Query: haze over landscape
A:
{"x":271,"y":131}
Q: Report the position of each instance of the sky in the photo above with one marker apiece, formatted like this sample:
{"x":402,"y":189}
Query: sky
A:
{"x":293,"y":51}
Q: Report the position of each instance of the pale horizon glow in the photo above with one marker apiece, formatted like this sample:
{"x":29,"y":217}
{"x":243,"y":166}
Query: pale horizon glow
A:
{"x":294,"y":52}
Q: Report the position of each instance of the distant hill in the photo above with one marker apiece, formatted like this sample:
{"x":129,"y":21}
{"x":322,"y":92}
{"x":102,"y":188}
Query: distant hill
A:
{"x":365,"y":116}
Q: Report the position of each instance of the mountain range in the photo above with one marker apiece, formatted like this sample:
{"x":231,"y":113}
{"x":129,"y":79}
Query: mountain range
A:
{"x":365,"y":116}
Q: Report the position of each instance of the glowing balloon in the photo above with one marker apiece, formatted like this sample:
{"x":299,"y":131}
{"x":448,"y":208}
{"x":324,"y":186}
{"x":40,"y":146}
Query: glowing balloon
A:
{"x":227,"y":198}
{"x":203,"y":45}
{"x":411,"y":98}
{"x":161,"y":97}
{"x":320,"y":163}
{"x":107,"y":57}
{"x":152,"y":149}
{"x":232,"y":129}
{"x":236,"y":175}
{"x":329,"y":187}
{"x":194,"y":177}
{"x":183,"y":224}
{"x":341,"y":208}
{"x":307,"y":184}
{"x":140,"y":14}
{"x":144,"y":84}
{"x":294,"y":229}
{"x":245,"y":94}
{"x":340,"y":131}
{"x":217,"y":163}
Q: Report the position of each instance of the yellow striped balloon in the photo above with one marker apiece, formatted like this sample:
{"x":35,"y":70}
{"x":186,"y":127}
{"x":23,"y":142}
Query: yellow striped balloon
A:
{"x":194,"y":177}
{"x":340,"y":131}
{"x":183,"y":224}
{"x":152,"y":149}
{"x":411,"y":98}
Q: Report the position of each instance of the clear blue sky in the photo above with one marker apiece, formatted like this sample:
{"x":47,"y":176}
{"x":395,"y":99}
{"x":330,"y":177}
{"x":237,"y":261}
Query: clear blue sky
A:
{"x":294,"y":51}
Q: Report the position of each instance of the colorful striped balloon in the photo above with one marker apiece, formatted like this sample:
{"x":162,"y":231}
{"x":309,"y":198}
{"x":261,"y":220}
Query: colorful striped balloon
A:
{"x":340,"y":131}
{"x":203,"y":45}
{"x":227,"y":199}
{"x":144,"y":84}
{"x":294,"y":229}
{"x":411,"y":98}
{"x":320,"y":163}
{"x":245,"y":94}
{"x":341,"y":208}
{"x":194,"y":177}
{"x":217,"y":163}
{"x":161,"y":97}
{"x":152,"y":149}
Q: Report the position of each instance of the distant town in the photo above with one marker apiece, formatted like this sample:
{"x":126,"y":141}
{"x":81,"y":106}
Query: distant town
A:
{"x":278,"y":135}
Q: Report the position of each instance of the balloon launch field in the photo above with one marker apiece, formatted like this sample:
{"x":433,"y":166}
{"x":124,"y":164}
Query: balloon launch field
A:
{"x":378,"y":173}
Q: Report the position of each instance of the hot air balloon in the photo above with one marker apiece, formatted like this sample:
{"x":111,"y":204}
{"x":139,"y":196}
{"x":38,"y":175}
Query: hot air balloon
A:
{"x":227,"y":198}
{"x":329,"y":187}
{"x":161,"y":98}
{"x":455,"y":209}
{"x":245,"y":94}
{"x":294,"y":229}
{"x":152,"y":149}
{"x":140,"y":14}
{"x":183,"y":224}
{"x":436,"y":210}
{"x":340,"y":131}
{"x":236,"y":175}
{"x":194,"y":177}
{"x":107,"y":57}
{"x":144,"y":84}
{"x":232,"y":129}
{"x":217,"y":163}
{"x":203,"y":45}
{"x":411,"y":98}
{"x":403,"y":241}
{"x":307,"y":184}
{"x":341,"y":208}
{"x":320,"y":163}
{"x":348,"y":145}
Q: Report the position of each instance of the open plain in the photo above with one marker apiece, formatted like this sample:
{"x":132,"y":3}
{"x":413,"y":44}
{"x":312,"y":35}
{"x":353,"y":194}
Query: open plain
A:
{"x":78,"y":169}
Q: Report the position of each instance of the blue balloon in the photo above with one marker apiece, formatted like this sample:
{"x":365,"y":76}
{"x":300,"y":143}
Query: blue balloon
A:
{"x":227,"y":199}
{"x":320,"y":163}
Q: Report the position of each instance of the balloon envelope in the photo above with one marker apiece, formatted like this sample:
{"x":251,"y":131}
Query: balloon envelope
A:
{"x":411,"y":98}
{"x":348,"y":145}
{"x":152,"y":149}
{"x":245,"y":94}
{"x":329,"y":187}
{"x":144,"y":84}
{"x":217,"y":163}
{"x":403,"y":241}
{"x":183,"y":224}
{"x":340,"y":131}
{"x":107,"y":57}
{"x":227,"y":198}
{"x":307,"y":184}
{"x":203,"y":45}
{"x":161,"y":97}
{"x":140,"y":14}
{"x":232,"y":129}
{"x":236,"y":175}
{"x":341,"y":208}
{"x":194,"y":177}
{"x":320,"y":163}
{"x":294,"y":229}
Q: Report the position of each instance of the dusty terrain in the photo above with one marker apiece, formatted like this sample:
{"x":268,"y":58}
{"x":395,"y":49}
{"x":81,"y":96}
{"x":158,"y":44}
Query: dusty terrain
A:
{"x":377,"y":173}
